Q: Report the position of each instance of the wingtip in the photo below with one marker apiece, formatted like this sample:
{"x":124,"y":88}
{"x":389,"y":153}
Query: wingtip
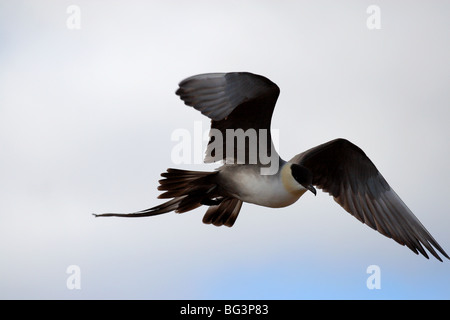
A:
{"x":445,"y":255}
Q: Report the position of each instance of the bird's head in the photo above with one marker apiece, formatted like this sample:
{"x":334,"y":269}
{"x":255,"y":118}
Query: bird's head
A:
{"x":303,"y":176}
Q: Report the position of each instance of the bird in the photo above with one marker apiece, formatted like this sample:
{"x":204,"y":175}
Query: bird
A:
{"x":241,"y":104}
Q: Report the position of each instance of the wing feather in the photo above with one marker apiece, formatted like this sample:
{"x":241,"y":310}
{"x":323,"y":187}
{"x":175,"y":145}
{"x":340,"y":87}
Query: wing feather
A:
{"x":237,"y":100}
{"x":344,"y":171}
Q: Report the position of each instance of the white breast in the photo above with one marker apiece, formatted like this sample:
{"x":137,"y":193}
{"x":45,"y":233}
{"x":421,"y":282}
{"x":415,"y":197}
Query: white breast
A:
{"x":247,"y":184}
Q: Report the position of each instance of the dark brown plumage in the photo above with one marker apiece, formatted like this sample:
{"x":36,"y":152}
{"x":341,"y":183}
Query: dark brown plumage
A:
{"x":344,"y":171}
{"x":245,"y":101}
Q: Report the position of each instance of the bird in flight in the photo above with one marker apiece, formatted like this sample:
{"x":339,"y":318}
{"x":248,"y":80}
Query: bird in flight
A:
{"x":240,"y":105}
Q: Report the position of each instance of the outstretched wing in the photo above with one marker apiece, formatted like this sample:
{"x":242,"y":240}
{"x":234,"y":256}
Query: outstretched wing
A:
{"x":345,"y":172}
{"x":239,"y":104}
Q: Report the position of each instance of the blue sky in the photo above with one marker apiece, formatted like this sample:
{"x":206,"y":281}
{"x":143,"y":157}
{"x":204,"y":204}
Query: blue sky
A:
{"x":86,"y":123}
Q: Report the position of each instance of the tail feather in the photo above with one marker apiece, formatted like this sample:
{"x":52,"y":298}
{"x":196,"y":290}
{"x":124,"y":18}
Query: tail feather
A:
{"x":225,"y":213}
{"x":168,"y":206}
{"x":179,"y":182}
{"x":189,"y":190}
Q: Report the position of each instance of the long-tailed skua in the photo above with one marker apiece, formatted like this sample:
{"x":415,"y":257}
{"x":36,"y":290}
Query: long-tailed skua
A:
{"x":242,"y":103}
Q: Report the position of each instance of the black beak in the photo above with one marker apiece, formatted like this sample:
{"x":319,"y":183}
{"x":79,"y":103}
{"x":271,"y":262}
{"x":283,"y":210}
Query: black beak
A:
{"x":312,"y":189}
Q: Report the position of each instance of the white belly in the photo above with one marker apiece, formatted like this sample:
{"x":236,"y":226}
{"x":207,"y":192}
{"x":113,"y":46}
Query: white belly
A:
{"x":247,"y":184}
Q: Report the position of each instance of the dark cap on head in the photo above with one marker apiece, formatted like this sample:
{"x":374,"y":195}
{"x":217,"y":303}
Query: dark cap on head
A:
{"x":303,"y":176}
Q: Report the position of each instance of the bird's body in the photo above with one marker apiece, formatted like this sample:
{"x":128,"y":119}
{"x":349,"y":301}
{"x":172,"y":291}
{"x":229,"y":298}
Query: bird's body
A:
{"x":246,"y":183}
{"x":242,"y":104}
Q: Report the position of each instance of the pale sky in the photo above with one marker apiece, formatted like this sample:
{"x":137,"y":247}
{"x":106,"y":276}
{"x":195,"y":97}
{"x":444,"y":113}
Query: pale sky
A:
{"x":86,"y":118}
